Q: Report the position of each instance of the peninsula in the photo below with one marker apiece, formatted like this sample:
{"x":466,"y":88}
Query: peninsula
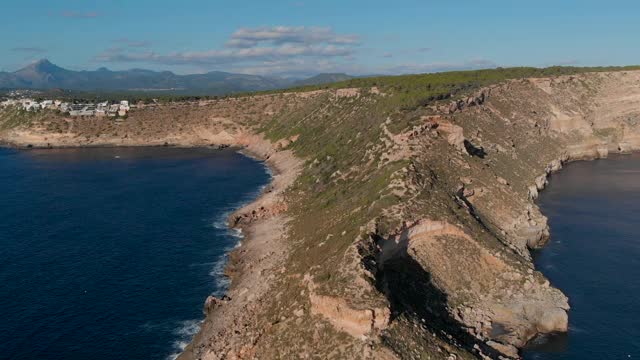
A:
{"x":401,"y":214}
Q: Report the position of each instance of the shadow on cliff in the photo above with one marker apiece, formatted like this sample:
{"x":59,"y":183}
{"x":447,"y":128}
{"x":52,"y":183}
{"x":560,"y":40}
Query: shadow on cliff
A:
{"x":474,"y":150}
{"x":411,"y":293}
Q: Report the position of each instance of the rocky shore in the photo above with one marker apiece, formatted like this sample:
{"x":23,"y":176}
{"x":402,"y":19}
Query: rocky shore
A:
{"x":386,"y":232}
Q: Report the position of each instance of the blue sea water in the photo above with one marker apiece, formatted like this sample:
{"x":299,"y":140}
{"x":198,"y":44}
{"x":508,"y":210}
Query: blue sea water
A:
{"x":110,"y":253}
{"x":594,"y":258}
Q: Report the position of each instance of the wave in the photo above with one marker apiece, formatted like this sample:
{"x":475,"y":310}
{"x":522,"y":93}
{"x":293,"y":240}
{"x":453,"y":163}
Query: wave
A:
{"x":221,"y":281}
{"x":189,"y":328}
{"x":184,"y":332}
{"x":221,"y":223}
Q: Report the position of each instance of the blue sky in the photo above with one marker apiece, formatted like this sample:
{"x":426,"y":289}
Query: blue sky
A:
{"x":304,"y":37}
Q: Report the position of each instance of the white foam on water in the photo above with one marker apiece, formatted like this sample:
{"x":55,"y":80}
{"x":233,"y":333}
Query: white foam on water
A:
{"x":221,"y":281}
{"x":574,"y":329}
{"x":189,"y":328}
{"x":220,"y":223}
{"x":185,"y":331}
{"x":237,"y":233}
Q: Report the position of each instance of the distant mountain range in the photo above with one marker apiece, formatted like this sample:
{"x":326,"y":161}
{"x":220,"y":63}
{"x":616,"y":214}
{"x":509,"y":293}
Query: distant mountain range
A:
{"x":45,"y":75}
{"x":323,"y":79}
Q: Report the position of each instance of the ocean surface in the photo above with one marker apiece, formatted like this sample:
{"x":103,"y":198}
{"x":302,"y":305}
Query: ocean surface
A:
{"x":110,"y":253}
{"x":594,"y":258}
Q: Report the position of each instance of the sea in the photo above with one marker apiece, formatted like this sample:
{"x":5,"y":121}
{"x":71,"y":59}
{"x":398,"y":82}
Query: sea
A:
{"x":109,"y":253}
{"x":594,"y":258}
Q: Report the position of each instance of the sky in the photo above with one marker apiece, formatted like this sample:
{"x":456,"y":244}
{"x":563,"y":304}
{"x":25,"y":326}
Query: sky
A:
{"x":304,"y":37}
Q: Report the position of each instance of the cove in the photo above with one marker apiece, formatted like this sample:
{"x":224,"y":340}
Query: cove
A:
{"x":594,"y":258}
{"x":110,"y":253}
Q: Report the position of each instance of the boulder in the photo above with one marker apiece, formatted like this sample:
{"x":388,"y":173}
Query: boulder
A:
{"x":541,"y":182}
{"x":213,"y":303}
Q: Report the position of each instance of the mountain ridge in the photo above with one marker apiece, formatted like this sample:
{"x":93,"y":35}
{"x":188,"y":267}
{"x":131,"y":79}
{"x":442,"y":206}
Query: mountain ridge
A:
{"x":44,"y":75}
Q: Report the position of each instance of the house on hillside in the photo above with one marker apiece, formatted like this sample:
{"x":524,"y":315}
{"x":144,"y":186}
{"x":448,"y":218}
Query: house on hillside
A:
{"x":9,"y":102}
{"x":74,"y":109}
{"x":88,"y":110}
{"x":124,"y":105}
{"x":30,"y":105}
{"x":82,"y":110}
{"x":112,"y":111}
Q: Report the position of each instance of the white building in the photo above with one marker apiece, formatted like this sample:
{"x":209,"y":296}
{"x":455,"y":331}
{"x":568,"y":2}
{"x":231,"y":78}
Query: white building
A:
{"x":88,"y":111}
{"x":113,"y":110}
{"x":30,"y":105}
{"x":124,"y":105}
{"x":76,"y":109}
{"x":9,"y":102}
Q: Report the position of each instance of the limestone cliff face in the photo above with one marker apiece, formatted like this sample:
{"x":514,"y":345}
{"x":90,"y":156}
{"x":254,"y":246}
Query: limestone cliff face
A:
{"x":392,"y":233}
{"x":526,"y":129}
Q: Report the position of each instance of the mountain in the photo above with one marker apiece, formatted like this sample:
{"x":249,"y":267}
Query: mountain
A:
{"x":323,"y":79}
{"x":45,"y":75}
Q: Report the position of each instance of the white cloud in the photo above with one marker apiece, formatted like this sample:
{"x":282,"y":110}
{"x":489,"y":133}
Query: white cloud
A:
{"x":279,"y":50}
{"x":225,"y":56}
{"x":276,"y":35}
{"x":249,"y":48}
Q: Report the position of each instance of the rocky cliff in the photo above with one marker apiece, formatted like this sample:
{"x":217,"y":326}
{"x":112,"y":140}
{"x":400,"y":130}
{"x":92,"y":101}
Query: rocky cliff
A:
{"x":389,"y":231}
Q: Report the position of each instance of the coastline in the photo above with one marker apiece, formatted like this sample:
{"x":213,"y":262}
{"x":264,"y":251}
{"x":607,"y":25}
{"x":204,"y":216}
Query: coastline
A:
{"x":455,"y":187}
{"x":587,"y":204}
{"x":556,"y":166}
{"x":261,"y":252}
{"x":262,"y":223}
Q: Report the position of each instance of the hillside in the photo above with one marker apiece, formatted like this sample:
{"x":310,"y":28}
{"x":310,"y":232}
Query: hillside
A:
{"x":401,"y":216}
{"x":45,"y":75}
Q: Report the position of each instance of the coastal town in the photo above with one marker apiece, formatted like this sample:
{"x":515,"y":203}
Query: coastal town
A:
{"x":115,"y":109}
